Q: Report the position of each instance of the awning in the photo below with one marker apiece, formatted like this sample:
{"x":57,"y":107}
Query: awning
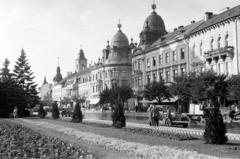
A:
{"x":148,"y":101}
{"x":170,"y":100}
{"x":94,"y":100}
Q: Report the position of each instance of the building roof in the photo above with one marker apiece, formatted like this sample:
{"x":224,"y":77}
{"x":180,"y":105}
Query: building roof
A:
{"x":120,"y":39}
{"x":218,"y":18}
{"x":154,"y":23}
{"x":178,"y":34}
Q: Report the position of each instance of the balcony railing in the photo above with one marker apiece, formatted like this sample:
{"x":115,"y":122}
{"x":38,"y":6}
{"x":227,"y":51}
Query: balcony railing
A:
{"x":228,"y":51}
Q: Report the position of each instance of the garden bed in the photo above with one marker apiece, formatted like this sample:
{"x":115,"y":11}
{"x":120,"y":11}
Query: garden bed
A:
{"x":150,"y":132}
{"x":19,"y":142}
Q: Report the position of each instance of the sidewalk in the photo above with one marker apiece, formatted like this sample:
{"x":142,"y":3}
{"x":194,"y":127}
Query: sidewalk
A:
{"x":231,"y":136}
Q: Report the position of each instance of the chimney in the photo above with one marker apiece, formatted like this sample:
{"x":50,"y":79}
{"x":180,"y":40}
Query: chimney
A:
{"x":193,"y":21}
{"x":208,"y":15}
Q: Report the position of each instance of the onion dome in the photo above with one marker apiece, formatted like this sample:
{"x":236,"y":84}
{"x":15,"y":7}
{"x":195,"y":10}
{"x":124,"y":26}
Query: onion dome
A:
{"x":153,"y":28}
{"x":120,"y":39}
{"x":154,"y":22}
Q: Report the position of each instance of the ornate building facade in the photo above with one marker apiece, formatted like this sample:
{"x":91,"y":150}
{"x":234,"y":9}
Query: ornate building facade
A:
{"x":215,"y":43}
{"x":113,"y":69}
{"x":46,"y":90}
{"x":162,"y":56}
{"x":210,"y":43}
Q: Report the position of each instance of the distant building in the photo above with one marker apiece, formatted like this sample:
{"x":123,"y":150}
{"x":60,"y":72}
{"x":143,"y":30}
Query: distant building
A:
{"x":113,"y":69}
{"x":160,"y":55}
{"x":210,"y":43}
{"x":46,"y":91}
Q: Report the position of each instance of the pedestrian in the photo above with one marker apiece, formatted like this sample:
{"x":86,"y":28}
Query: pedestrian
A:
{"x":156,"y":115}
{"x":150,"y":115}
{"x":15,"y":112}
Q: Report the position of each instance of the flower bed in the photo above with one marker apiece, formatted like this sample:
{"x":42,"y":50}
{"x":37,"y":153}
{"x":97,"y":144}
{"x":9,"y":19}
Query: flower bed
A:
{"x":138,"y":150}
{"x":19,"y":142}
{"x":150,"y":132}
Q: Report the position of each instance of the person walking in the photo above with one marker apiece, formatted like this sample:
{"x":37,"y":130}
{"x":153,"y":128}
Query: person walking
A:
{"x":15,"y":112}
{"x":156,"y":115}
{"x":150,"y":116}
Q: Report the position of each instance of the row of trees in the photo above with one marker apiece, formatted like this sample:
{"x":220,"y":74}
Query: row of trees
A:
{"x":196,"y":88}
{"x":17,"y":88}
{"x":113,"y":95}
{"x":210,"y":89}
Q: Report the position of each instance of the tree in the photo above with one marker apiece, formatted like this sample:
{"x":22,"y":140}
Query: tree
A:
{"x":234,"y":88}
{"x":125,"y":93}
{"x":11,"y":94}
{"x":77,"y":114}
{"x":24,"y":77}
{"x":158,"y":91}
{"x":41,"y":111}
{"x":211,"y":88}
{"x":181,"y":88}
{"x":5,"y":72}
{"x":108,"y":96}
{"x":55,"y":111}
{"x":118,"y":117}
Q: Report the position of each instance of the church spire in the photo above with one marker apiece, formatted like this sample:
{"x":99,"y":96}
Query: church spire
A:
{"x":119,"y":25}
{"x":58,"y":76}
{"x":154,"y":6}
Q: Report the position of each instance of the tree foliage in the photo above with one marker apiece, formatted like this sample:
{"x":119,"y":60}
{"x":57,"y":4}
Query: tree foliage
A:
{"x":110,"y":95}
{"x":5,"y":72}
{"x":157,"y":90}
{"x":23,"y":75}
{"x":11,"y":94}
{"x":234,"y":88}
{"x":180,"y":87}
{"x":41,"y":111}
{"x":55,"y":111}
{"x":77,"y":114}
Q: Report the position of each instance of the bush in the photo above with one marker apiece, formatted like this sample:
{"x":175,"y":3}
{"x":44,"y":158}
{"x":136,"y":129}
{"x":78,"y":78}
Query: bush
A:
{"x":55,"y":111}
{"x":118,"y":117}
{"x":77,"y":114}
{"x":41,"y":111}
{"x":215,"y":129}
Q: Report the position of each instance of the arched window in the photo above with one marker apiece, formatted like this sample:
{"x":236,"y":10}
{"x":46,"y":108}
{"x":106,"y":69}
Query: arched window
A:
{"x":200,"y":49}
{"x":226,"y":40}
{"x":211,"y":44}
{"x":219,"y":42}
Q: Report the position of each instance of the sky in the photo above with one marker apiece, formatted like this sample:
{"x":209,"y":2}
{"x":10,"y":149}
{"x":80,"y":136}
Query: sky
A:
{"x":48,"y":29}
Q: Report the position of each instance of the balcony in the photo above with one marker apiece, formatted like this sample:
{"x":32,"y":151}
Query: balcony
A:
{"x":137,"y":72}
{"x":222,"y":53}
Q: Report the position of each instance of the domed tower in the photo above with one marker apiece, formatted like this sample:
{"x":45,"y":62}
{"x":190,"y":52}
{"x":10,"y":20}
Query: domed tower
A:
{"x":81,"y":61}
{"x":117,"y":61}
{"x":119,"y":50}
{"x":153,"y":28}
